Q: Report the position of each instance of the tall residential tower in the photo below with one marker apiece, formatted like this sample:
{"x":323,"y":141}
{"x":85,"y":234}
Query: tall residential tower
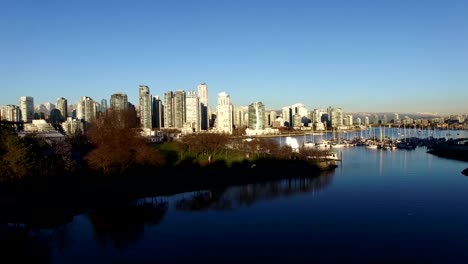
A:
{"x":26,"y":106}
{"x":204,"y":113}
{"x":224,"y":113}
{"x":145,"y":107}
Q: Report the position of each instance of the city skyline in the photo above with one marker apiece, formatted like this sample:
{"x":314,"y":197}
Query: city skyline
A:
{"x":364,"y":56}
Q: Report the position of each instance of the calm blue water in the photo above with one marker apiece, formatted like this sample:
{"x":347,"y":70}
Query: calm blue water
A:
{"x":402,"y":206}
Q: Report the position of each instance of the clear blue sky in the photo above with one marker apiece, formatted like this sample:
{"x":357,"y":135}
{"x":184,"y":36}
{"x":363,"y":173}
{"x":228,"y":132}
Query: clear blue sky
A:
{"x":402,"y":56}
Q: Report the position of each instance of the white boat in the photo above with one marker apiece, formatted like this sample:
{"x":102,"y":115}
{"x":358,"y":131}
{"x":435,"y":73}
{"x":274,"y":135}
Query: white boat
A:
{"x":327,"y":156}
{"x":372,"y":145}
{"x":332,"y":156}
{"x":338,"y":145}
{"x":324,"y":144}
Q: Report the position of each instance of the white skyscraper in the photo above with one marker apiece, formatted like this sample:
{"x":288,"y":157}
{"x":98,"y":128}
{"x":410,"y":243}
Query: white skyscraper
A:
{"x":204,"y":108}
{"x":10,"y":113}
{"x":224,"y":113}
{"x":192,"y":109}
{"x":86,"y":109}
{"x":145,"y":107}
{"x":26,"y":106}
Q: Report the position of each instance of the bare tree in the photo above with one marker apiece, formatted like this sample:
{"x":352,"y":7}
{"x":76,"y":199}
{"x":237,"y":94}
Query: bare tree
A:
{"x":118,"y":144}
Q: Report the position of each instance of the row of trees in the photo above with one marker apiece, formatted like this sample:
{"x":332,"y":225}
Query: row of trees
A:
{"x":21,"y":157}
{"x":117,"y":145}
{"x":113,"y":145}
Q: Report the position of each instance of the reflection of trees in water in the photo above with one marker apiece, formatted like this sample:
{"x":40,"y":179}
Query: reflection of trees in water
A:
{"x":21,"y":243}
{"x":248,"y":194}
{"x":124,"y":224}
{"x":205,"y":200}
{"x":26,"y":234}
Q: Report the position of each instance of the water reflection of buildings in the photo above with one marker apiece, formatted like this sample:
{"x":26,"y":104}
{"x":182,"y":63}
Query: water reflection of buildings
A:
{"x":123,"y":224}
{"x":246,"y":195}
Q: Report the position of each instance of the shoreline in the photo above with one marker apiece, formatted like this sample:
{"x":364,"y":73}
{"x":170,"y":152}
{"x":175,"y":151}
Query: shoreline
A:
{"x":58,"y":200}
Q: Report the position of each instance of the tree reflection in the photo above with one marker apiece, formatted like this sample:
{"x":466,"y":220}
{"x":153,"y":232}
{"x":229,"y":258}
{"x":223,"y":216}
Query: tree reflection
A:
{"x":234,"y":197}
{"x":27,"y":233}
{"x":21,"y":243}
{"x":124,"y":224}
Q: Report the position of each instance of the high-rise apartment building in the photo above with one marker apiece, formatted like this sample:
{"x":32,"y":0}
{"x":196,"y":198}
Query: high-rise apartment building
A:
{"x":192,"y":111}
{"x":257,"y":116}
{"x":10,"y":113}
{"x":168,"y":110}
{"x":204,"y":110}
{"x":103,"y":105}
{"x":336,"y":117}
{"x":316,"y":116}
{"x":62,"y":106}
{"x":240,"y":114}
{"x":348,"y":120}
{"x":178,"y":104}
{"x":224,"y":113}
{"x":287,"y":116}
{"x":271,"y":118}
{"x":145,"y":107}
{"x":376,"y":120}
{"x":358,"y":121}
{"x":119,"y":101}
{"x":26,"y":106}
{"x":86,"y":109}
{"x":157,"y":113}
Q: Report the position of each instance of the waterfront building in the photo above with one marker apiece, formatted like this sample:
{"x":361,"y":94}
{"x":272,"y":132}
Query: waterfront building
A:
{"x":278,"y":122}
{"x":10,"y":113}
{"x":287,"y":116}
{"x":145,"y":107}
{"x":407,"y":121}
{"x":297,"y":121}
{"x":348,"y":120}
{"x":26,"y":106}
{"x":366,"y":121}
{"x":316,"y":116}
{"x":224,"y":113}
{"x":241,"y":116}
{"x":376,"y":120}
{"x":204,"y":106}
{"x":119,"y":101}
{"x":157,"y":113}
{"x":384,"y":120}
{"x":179,"y":108}
{"x":257,"y":116}
{"x":300,"y":109}
{"x":62,"y":106}
{"x":358,"y":121}
{"x":86,"y":109}
{"x":336,"y":117}
{"x":193,"y":109}
{"x":168,"y":110}
{"x":272,"y":118}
